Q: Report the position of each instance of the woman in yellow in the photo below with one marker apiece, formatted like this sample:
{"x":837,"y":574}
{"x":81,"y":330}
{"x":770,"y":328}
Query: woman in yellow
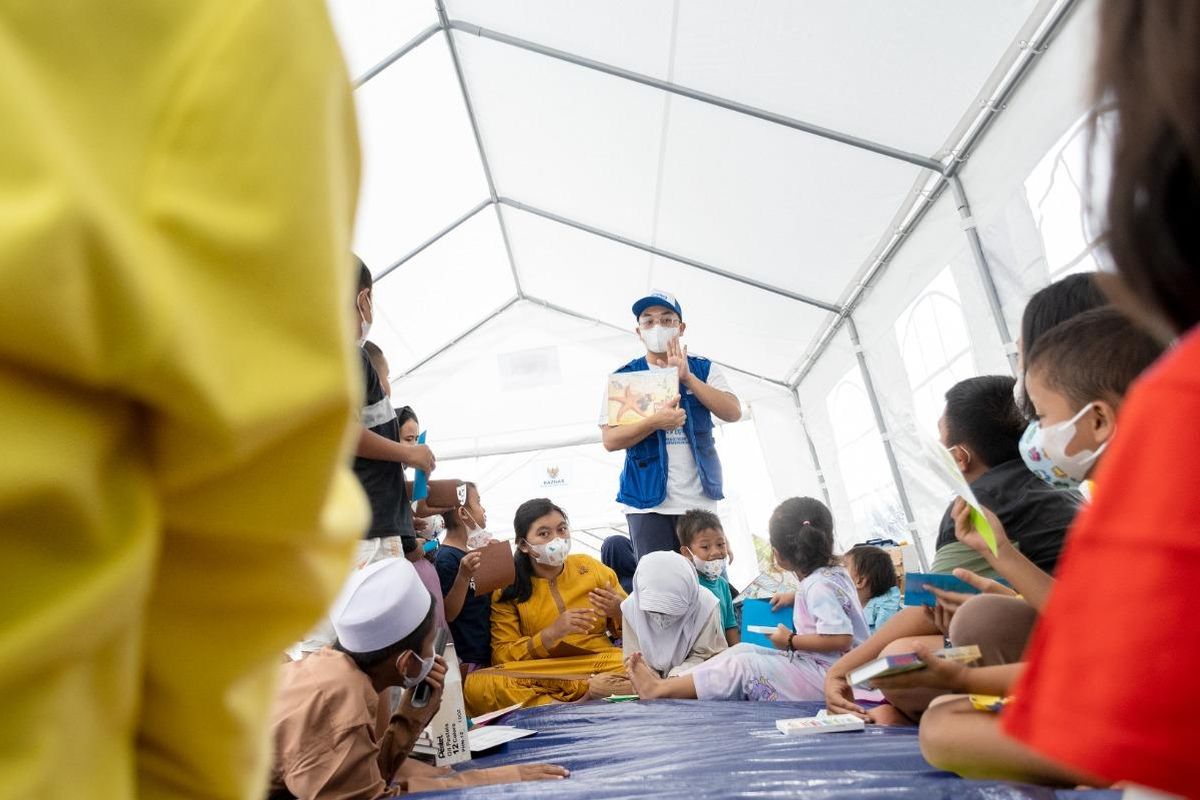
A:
{"x":553,"y":629}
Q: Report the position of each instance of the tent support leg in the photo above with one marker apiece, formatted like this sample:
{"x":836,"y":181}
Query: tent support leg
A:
{"x":887,"y":443}
{"x":812,"y":450}
{"x":985,"y":270}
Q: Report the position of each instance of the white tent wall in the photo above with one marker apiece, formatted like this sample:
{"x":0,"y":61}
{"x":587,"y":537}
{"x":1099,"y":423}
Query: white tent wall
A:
{"x":503,"y":297}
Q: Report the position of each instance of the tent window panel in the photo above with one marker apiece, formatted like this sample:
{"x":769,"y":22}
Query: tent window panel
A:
{"x":1056,"y":191}
{"x":863,"y":464}
{"x":935,"y":346}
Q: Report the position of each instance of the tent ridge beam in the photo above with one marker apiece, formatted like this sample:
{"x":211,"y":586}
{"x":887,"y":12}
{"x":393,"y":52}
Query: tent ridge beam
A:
{"x":924,"y":162}
{"x":483,"y":158}
{"x":411,"y":254}
{"x":551,"y":306}
{"x":1020,"y":68}
{"x":396,"y":55}
{"x":691,"y":262}
{"x":441,"y":350}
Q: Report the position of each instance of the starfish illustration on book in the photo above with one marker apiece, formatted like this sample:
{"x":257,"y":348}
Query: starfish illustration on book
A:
{"x":632,"y":402}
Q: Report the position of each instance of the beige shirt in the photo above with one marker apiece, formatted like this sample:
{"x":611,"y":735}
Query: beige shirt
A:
{"x":709,"y":642}
{"x":330,"y":743}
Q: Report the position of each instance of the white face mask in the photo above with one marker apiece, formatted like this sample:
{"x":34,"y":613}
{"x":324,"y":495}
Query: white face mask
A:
{"x":661,"y":621}
{"x":434,"y":526}
{"x":710,"y":569}
{"x":657,"y":338}
{"x":1044,"y":450}
{"x":426,"y":665}
{"x":553,"y":553}
{"x":477,"y":536}
{"x":364,"y":325}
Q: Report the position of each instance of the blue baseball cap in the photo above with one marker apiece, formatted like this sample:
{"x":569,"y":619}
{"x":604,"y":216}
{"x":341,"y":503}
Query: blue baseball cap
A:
{"x":657,"y":298}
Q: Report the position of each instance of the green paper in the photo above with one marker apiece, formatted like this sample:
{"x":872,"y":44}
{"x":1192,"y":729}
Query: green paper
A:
{"x":985,"y":529}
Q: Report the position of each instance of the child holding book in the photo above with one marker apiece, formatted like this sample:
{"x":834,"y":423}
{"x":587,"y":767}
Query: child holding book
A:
{"x":874,"y":576}
{"x":469,"y":614}
{"x":826,"y":613}
{"x":1076,"y":376}
{"x":702,"y":541}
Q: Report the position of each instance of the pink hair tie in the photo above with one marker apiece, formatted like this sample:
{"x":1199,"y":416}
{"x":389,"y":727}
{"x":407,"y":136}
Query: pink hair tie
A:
{"x":806,"y":522}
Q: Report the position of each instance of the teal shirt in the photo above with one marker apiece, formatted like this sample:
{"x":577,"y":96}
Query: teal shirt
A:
{"x":720,"y":587}
{"x":880,"y":609}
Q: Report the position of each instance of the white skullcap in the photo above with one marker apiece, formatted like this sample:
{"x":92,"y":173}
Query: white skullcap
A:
{"x":380,"y":604}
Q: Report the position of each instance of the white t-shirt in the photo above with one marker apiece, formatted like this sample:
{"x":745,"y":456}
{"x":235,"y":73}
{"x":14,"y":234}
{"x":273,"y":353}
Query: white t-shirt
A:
{"x":684,"y":490}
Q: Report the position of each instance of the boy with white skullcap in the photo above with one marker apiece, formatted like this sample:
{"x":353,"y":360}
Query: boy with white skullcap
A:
{"x":328,"y":740}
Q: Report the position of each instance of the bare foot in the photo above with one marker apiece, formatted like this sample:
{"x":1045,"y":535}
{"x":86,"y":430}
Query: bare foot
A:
{"x":645,"y":681}
{"x":888,"y":714}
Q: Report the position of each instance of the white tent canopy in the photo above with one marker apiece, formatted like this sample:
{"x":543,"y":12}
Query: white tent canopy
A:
{"x":797,"y":173}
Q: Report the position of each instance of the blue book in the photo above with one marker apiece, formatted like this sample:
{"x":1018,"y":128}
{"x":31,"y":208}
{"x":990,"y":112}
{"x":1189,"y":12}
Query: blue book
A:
{"x":421,"y":480}
{"x":915,"y":582}
{"x":757,"y":616}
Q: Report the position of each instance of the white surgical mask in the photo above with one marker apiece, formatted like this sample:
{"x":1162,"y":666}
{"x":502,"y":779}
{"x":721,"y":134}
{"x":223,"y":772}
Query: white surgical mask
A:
{"x":661,"y":621}
{"x":477,"y":536}
{"x":657,"y":338}
{"x":426,"y":665}
{"x":553,"y":553}
{"x":364,"y":326}
{"x":710,"y":569}
{"x":1044,"y":450}
{"x":434,"y":526}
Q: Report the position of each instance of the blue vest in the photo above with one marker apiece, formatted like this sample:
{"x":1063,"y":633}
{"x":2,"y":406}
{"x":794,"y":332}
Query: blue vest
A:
{"x":644,"y":478}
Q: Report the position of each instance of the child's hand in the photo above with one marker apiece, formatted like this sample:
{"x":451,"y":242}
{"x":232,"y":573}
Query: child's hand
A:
{"x":469,"y":564}
{"x":606,"y":601}
{"x":781,"y":637}
{"x":782,"y":600}
{"x":964,"y":528}
{"x":984,"y":585}
{"x":939,"y":673}
{"x":839,"y":696}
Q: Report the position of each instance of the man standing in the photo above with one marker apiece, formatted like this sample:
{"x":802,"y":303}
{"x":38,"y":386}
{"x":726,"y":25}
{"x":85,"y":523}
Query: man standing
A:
{"x":671,"y":463}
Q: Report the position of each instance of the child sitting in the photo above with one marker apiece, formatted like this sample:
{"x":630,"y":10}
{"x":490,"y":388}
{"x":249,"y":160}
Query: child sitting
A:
{"x":469,"y":615}
{"x":826,"y":614}
{"x":874,"y":575}
{"x":702,"y":541}
{"x":1077,"y":376}
{"x":668,"y":618}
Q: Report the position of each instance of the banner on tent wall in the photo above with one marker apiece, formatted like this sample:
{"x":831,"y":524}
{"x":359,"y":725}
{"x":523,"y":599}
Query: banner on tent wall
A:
{"x":550,"y":475}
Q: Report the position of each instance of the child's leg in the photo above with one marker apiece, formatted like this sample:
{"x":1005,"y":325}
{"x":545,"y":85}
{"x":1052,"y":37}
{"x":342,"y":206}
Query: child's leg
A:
{"x":911,"y":703}
{"x":732,"y":636}
{"x":958,"y":738}
{"x":649,"y":686}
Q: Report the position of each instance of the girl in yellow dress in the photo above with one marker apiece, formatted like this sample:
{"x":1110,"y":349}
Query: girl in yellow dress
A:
{"x":553,"y":629}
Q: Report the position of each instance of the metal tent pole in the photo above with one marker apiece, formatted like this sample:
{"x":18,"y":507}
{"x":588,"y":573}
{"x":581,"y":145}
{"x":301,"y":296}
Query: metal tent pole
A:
{"x":985,"y":271}
{"x":887,"y":442}
{"x":694,"y":94}
{"x":404,"y":49}
{"x":691,"y":262}
{"x":486,"y":318}
{"x":487,"y":168}
{"x":812,"y":450}
{"x":395,"y":265}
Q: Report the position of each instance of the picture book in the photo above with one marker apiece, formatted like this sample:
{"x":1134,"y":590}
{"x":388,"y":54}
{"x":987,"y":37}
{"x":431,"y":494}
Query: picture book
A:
{"x":907,"y":662}
{"x":757,"y":614}
{"x":938,"y":459}
{"x":915,"y":593}
{"x":635,"y":396}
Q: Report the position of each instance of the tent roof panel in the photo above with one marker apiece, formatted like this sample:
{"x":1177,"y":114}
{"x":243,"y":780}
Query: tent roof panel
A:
{"x":421,"y":169}
{"x":452,"y":285}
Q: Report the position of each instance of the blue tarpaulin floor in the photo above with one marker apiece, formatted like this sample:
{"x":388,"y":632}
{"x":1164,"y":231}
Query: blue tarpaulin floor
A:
{"x":695,"y":750}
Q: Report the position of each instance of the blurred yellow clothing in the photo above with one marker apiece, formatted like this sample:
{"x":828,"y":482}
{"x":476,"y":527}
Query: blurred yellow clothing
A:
{"x":177,"y":183}
{"x":523,"y":670}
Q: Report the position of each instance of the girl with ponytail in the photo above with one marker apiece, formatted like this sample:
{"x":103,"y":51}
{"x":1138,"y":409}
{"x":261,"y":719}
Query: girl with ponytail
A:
{"x":826,"y":615}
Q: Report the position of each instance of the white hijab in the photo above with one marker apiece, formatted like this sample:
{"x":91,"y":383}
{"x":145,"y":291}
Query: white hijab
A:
{"x":666,"y":583}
